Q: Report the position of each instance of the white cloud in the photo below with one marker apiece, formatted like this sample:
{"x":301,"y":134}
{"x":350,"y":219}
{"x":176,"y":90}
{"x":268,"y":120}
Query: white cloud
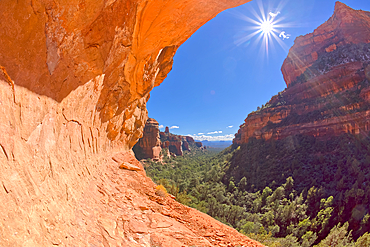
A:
{"x":228,"y":137}
{"x":284,"y":35}
{"x":161,"y":126}
{"x":174,"y":127}
{"x":229,"y":127}
{"x":273,"y":15}
{"x":199,"y":134}
{"x":214,"y":132}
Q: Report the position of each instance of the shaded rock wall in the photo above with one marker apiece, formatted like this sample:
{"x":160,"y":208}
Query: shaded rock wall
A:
{"x":327,"y":77}
{"x":75,"y":77}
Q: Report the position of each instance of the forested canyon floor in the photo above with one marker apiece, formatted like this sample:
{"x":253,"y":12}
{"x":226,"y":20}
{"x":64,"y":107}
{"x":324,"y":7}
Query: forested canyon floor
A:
{"x":298,"y":191}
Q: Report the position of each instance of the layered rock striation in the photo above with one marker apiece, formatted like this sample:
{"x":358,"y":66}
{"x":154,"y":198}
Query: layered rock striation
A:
{"x":327,"y":74}
{"x":75,"y":77}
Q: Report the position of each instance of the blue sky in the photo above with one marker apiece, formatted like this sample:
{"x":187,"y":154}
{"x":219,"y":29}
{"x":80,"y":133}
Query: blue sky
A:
{"x":217,"y":80}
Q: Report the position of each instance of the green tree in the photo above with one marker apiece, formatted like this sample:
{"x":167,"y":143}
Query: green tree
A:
{"x":363,"y":241}
{"x":231,"y":186}
{"x":338,"y":237}
{"x":288,"y":186}
{"x":265,"y":193}
{"x":289,"y":241}
{"x":243,"y":184}
{"x":308,"y":239}
{"x":274,"y":230}
{"x":303,"y":227}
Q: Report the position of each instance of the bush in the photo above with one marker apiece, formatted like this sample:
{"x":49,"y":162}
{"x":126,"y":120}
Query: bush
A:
{"x":160,"y":190}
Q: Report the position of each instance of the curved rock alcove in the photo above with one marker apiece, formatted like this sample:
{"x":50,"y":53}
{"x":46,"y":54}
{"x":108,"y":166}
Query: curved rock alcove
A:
{"x":75,"y":77}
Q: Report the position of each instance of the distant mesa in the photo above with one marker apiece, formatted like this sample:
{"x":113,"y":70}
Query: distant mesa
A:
{"x":327,"y":74}
{"x":199,"y":144}
{"x":216,"y":144}
{"x":152,"y":143}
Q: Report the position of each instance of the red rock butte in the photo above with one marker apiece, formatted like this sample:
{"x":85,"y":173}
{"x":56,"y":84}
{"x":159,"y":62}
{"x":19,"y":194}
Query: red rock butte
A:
{"x":151,"y":143}
{"x":149,"y":146}
{"x":75,"y":77}
{"x":327,"y":73}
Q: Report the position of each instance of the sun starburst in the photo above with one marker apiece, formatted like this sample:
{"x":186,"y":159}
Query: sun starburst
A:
{"x":266,"y":28}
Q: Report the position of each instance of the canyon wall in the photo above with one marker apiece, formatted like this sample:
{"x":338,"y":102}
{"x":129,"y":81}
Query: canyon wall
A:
{"x":327,"y":74}
{"x":75,"y":77}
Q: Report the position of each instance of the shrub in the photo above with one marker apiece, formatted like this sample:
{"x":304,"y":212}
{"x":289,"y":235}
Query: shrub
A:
{"x":160,"y":190}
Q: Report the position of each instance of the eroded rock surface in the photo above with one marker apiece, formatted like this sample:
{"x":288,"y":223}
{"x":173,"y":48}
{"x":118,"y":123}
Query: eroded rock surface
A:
{"x":75,"y":77}
{"x":327,"y":77}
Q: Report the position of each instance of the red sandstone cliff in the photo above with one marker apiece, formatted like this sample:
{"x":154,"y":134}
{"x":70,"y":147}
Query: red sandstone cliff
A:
{"x":346,"y":26}
{"x":75,"y":77}
{"x":327,"y":74}
{"x":149,"y":146}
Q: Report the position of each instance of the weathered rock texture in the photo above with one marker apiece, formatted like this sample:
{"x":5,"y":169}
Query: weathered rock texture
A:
{"x":149,"y":146}
{"x":327,"y":77}
{"x":75,"y":77}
